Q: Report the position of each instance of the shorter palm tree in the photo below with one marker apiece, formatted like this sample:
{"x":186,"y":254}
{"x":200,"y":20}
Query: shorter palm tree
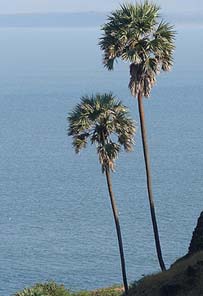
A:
{"x":105,"y":122}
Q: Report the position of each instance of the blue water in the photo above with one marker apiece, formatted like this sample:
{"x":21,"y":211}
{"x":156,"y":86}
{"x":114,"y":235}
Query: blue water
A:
{"x":55,"y":216}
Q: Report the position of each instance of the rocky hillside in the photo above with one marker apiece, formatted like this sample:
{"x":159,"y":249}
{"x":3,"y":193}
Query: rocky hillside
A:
{"x":183,"y":278}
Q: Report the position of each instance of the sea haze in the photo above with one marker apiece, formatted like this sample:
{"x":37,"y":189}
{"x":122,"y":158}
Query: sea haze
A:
{"x":56,"y":220}
{"x":86,"y":19}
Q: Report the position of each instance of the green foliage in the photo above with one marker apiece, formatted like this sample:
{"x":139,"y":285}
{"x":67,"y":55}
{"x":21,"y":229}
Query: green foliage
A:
{"x":52,"y":289}
{"x":135,"y":33}
{"x":47,"y":289}
{"x":113,"y":291}
{"x":104,"y":121}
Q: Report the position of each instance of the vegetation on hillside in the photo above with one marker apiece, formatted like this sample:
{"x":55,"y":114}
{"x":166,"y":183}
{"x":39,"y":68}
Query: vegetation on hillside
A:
{"x":185,"y":278}
{"x":52,"y":289}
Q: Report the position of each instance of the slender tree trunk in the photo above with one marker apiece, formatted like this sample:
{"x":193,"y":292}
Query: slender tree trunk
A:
{"x":149,"y":181}
{"x":118,"y":230}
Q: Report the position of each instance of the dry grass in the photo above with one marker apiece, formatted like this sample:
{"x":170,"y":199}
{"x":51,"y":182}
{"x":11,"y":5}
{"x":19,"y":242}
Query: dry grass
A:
{"x":184,"y":278}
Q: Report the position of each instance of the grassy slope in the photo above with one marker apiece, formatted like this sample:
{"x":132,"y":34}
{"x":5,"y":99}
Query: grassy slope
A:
{"x":184,"y":278}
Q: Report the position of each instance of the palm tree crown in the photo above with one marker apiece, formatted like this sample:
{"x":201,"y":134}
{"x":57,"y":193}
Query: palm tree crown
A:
{"x":104,"y":121}
{"x":134,"y":33}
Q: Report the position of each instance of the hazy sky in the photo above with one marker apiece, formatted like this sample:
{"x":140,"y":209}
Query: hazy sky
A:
{"x":28,"y":6}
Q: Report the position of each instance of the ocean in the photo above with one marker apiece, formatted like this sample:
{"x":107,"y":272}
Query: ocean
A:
{"x":55,"y":216}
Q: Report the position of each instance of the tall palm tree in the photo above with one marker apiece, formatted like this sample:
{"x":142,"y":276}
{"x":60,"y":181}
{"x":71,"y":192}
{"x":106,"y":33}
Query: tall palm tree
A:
{"x":135,"y":34}
{"x":104,"y":121}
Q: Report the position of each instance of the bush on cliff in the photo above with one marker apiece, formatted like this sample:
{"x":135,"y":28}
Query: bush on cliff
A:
{"x":52,"y":289}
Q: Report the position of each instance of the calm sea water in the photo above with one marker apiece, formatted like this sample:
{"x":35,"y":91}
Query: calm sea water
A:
{"x":55,"y":216}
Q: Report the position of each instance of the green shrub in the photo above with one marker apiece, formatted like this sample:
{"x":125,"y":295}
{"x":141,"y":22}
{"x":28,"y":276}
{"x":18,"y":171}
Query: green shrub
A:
{"x":47,"y":289}
{"x":52,"y":289}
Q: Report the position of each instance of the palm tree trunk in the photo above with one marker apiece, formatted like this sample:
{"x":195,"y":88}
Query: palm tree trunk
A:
{"x":149,"y":181}
{"x":118,"y":230}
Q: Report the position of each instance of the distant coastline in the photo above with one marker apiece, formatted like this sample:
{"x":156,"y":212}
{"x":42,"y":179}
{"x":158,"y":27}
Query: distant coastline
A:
{"x":85,"y":19}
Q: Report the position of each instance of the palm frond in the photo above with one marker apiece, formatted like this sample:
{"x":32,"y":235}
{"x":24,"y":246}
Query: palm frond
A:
{"x":80,"y":141}
{"x":103,"y":121}
{"x":135,"y":34}
{"x":108,"y":153}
